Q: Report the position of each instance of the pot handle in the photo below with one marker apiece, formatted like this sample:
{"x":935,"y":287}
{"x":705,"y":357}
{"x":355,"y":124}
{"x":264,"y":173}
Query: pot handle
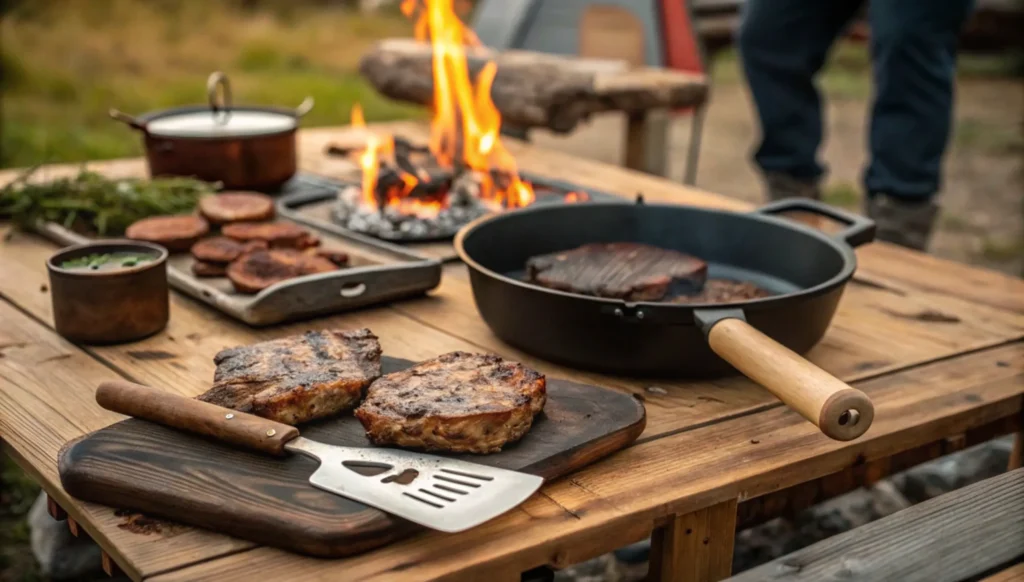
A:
{"x":130,"y":121}
{"x":220,"y":100}
{"x":859,"y":229}
{"x":304,"y":107}
{"x":837,"y":409}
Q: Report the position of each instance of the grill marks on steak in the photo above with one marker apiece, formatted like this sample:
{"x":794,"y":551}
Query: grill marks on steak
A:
{"x":297,"y":379}
{"x":457,"y":402}
{"x":630,"y":271}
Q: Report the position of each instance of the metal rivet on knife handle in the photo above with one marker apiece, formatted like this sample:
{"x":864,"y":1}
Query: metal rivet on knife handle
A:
{"x":196,"y":416}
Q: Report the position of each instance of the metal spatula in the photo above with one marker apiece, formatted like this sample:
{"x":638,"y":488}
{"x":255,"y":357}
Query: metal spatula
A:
{"x":437,"y":492}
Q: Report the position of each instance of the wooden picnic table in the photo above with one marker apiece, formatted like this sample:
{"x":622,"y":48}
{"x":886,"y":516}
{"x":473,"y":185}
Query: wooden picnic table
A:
{"x":937,"y":345}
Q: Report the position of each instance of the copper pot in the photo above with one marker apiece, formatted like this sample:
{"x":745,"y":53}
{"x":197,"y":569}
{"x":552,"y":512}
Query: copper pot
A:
{"x":243,"y":148}
{"x":105,"y":307}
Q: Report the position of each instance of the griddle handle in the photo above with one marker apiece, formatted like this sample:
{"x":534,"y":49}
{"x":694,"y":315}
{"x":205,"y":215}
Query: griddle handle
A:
{"x":839,"y":410}
{"x":195,"y":416}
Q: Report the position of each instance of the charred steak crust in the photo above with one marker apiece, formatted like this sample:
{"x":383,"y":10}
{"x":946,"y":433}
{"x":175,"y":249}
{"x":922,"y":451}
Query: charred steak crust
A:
{"x":621,"y":270}
{"x":456,"y":402}
{"x":299,"y":378}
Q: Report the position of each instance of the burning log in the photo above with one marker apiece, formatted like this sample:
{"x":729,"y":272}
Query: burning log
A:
{"x":536,"y":89}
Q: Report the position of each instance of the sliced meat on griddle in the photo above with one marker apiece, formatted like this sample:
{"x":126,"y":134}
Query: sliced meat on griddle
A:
{"x":630,"y":271}
{"x":257,"y":270}
{"x":457,"y":402}
{"x":724,"y":291}
{"x":175,"y":233}
{"x":276,"y":234}
{"x":221,"y":249}
{"x":236,"y":207}
{"x":299,"y":378}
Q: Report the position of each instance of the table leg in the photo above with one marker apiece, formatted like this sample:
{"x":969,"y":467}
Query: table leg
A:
{"x":647,"y":142}
{"x":1017,"y":452}
{"x":696,"y":547}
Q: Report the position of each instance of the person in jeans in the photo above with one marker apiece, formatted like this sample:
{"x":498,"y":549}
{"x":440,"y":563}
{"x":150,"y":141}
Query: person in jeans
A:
{"x":783,"y":44}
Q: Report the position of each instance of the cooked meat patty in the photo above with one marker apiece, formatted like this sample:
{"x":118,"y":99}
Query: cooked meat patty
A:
{"x":221,"y":249}
{"x":257,"y":270}
{"x":457,"y":402}
{"x":630,"y":271}
{"x":337,"y":257}
{"x":309,"y":241}
{"x":276,"y":234}
{"x":175,"y":233}
{"x":205,"y":269}
{"x":724,"y":291}
{"x":236,"y":207}
{"x":299,"y":378}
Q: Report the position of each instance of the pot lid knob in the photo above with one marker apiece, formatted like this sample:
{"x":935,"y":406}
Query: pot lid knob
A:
{"x":218,"y":92}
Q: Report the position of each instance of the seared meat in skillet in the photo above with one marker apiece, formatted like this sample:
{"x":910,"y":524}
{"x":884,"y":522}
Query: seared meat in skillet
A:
{"x":299,"y":378}
{"x":457,"y":402}
{"x":630,"y":271}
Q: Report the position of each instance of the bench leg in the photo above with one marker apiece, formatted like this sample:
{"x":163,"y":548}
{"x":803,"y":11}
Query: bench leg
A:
{"x":696,"y":547}
{"x":647,"y":142}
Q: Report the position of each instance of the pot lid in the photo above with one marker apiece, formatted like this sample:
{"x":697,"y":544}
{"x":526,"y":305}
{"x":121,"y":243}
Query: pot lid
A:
{"x":211,"y":123}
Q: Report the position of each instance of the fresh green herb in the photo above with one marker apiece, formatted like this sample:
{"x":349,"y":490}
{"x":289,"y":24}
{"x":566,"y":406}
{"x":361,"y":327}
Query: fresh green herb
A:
{"x":96,"y":205}
{"x":96,"y":260}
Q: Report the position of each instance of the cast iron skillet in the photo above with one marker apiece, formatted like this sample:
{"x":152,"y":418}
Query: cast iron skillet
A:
{"x":805,"y":268}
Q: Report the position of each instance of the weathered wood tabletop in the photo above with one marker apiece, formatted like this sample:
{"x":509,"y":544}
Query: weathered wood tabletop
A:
{"x":936,"y":345}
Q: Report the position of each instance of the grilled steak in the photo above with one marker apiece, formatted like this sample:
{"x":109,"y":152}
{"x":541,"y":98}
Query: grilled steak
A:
{"x":236,"y":207}
{"x":630,"y":271}
{"x":724,"y":291}
{"x":457,"y":402}
{"x":257,"y":270}
{"x":299,"y":378}
{"x":175,"y":233}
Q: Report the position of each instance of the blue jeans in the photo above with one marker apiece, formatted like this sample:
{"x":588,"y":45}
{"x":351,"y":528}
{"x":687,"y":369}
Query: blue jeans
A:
{"x":783,"y":44}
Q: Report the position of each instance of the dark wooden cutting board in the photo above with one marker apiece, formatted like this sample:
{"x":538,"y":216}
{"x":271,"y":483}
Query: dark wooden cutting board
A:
{"x":165,"y":473}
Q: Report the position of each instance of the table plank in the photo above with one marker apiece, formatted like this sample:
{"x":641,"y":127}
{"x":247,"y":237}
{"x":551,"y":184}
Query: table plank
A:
{"x":735,"y":459}
{"x":46,"y":399}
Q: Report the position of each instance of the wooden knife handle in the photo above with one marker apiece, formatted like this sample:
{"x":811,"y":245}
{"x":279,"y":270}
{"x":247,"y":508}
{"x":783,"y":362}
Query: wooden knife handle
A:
{"x":237,"y":428}
{"x":839,"y":410}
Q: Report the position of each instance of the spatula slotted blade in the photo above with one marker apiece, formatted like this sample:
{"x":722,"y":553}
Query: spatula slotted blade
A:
{"x":436,"y":492}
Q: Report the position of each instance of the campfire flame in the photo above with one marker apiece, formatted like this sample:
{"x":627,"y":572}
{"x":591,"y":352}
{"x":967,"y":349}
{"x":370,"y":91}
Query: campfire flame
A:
{"x":464,"y":130}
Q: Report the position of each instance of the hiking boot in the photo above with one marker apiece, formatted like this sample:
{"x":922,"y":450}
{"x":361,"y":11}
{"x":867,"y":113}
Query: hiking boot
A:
{"x":902,"y":222}
{"x":781,"y":186}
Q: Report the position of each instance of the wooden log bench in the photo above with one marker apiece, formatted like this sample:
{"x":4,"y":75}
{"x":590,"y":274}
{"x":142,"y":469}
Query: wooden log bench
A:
{"x":555,"y":92}
{"x":958,"y":536}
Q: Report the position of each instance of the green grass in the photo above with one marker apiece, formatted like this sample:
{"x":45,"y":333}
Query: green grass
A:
{"x":17,"y":492}
{"x":842,"y":194}
{"x":66,"y":62}
{"x":989,"y":137}
{"x":846,"y":75}
{"x":1002,"y":249}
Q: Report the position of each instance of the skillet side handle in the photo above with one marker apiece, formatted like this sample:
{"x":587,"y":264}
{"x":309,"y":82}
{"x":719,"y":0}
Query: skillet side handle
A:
{"x":839,"y":410}
{"x":196,"y":416}
{"x":859,"y":229}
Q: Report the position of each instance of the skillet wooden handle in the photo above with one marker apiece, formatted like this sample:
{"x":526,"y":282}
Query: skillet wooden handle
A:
{"x":237,"y":428}
{"x":839,"y":410}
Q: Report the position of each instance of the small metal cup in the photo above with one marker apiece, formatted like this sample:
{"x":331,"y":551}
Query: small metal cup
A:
{"x":108,"y":307}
